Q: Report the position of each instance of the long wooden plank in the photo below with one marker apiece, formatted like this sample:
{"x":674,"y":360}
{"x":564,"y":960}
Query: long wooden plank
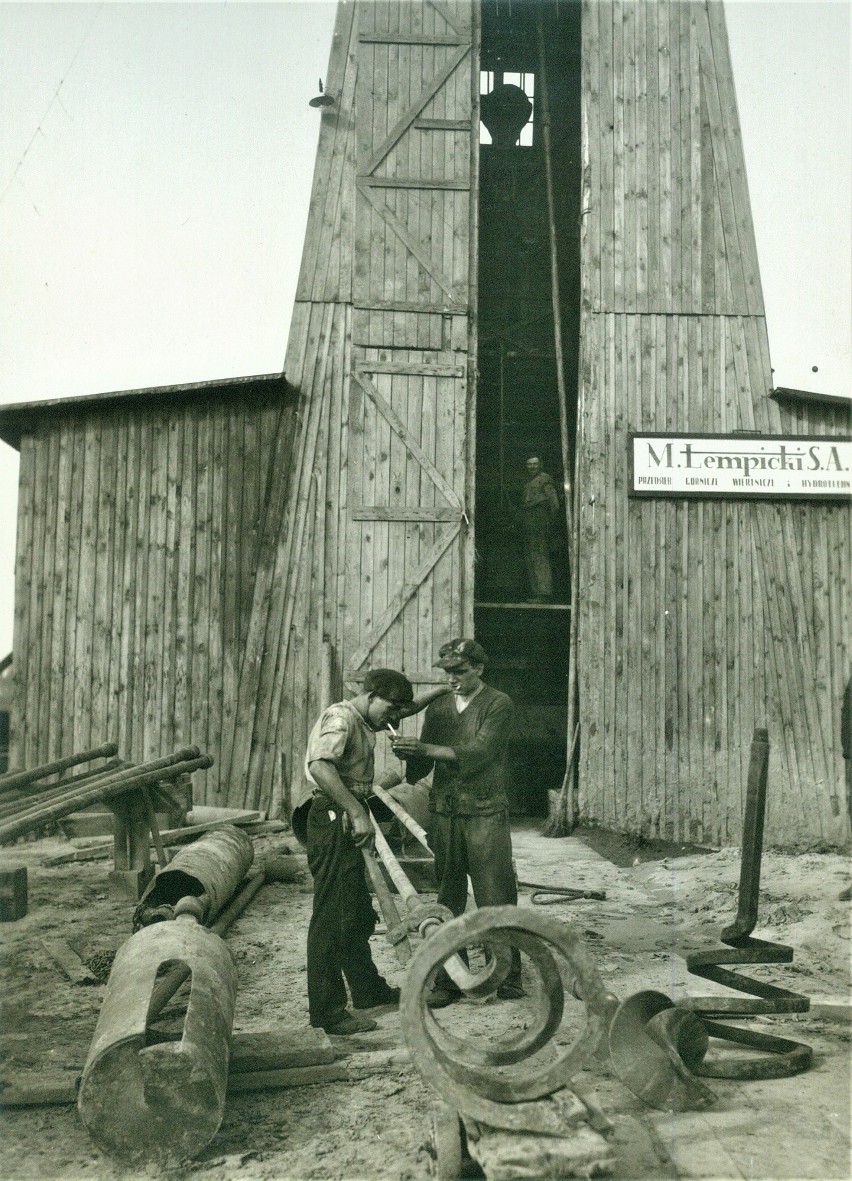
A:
{"x":37,"y":717}
{"x":114,"y":640}
{"x":618,"y":152}
{"x":267,"y":638}
{"x":328,"y":177}
{"x":413,"y":368}
{"x":155,"y":552}
{"x":186,"y":513}
{"x":26,"y":632}
{"x":630,"y":148}
{"x":380,"y":38}
{"x":67,"y":548}
{"x":128,"y":572}
{"x":729,"y":186}
{"x":105,"y":622}
{"x":169,"y":703}
{"x":402,"y":512}
{"x":413,"y":182}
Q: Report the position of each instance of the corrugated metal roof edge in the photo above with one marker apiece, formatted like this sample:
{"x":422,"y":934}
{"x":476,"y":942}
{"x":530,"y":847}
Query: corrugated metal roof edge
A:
{"x":15,"y":417}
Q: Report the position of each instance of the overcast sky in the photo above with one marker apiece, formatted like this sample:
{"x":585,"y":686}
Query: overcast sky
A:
{"x":155,"y":170}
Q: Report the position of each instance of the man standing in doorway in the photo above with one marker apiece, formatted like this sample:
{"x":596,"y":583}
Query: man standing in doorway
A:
{"x":539,"y":509}
{"x":465,"y":738}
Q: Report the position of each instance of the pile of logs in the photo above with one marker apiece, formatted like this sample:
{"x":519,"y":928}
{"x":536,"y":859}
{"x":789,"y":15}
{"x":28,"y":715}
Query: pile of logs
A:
{"x":41,"y":795}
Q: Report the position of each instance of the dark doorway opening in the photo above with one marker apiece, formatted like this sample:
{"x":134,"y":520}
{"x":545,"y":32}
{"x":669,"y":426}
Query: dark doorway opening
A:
{"x":527,"y":386}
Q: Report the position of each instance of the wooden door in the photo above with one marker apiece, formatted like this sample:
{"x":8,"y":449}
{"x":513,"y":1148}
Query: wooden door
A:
{"x":409,"y":552}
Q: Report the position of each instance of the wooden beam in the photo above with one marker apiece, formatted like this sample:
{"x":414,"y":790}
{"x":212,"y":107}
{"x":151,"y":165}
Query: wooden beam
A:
{"x":431,"y":309}
{"x":412,"y":182}
{"x":402,"y":512}
{"x":409,"y":369}
{"x":411,"y":39}
{"x":442,"y":125}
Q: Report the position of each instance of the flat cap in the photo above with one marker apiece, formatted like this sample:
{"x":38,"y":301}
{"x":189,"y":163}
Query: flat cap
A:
{"x":457,"y":651}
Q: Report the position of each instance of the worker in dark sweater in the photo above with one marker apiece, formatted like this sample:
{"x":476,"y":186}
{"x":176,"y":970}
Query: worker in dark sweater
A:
{"x":465,"y":738}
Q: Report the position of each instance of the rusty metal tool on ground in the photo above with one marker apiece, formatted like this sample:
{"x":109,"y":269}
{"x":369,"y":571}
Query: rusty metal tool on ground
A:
{"x":543,"y":895}
{"x":783,"y":1056}
{"x":654,"y":1048}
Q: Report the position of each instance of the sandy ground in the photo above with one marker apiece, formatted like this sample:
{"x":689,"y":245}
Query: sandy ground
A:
{"x":378,"y":1129}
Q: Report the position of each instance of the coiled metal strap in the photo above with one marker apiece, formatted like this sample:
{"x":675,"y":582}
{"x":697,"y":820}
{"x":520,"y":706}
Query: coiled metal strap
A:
{"x":787,"y":1057}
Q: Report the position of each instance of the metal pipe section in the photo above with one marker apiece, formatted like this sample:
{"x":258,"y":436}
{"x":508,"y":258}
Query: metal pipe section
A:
{"x":160,"y":1103}
{"x":214,"y":866}
{"x":123,"y":782}
{"x":21,"y":778}
{"x":454,"y":966}
{"x":396,"y":807}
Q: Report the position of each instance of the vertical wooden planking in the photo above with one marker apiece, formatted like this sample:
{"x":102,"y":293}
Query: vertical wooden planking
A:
{"x":677,"y":82}
{"x":665,"y":295}
{"x":187,"y":513}
{"x":63,"y":735}
{"x":218,"y":558}
{"x":683,"y":178}
{"x":114,"y":640}
{"x":126,"y":574}
{"x":81,"y":588}
{"x":629,"y":150}
{"x":619,"y":252}
{"x":168,"y":693}
{"x":199,"y":649}
{"x":154,"y":542}
{"x":52,"y":590}
{"x":25,"y":645}
{"x":631,"y":655}
{"x":105,"y":623}
{"x":591,"y":223}
{"x":644,"y":135}
{"x":34,"y":712}
{"x":611,"y":560}
{"x":605,"y":192}
{"x":651,"y":581}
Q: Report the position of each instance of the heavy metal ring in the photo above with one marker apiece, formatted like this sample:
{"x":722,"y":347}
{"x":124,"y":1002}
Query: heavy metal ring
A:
{"x":458,"y":1069}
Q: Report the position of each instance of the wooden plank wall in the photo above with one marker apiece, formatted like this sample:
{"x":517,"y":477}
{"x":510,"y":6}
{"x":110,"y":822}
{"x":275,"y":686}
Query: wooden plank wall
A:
{"x":408,"y":548}
{"x":374,"y":350}
{"x":135,"y":571}
{"x":702,"y":620}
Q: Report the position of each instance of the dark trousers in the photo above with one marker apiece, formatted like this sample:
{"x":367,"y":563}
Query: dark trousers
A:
{"x":479,"y":847}
{"x":342,"y":921}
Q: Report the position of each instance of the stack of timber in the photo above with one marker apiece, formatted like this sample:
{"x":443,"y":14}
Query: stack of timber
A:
{"x":33,"y":798}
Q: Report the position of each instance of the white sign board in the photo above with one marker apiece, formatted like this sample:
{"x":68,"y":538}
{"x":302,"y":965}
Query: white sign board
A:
{"x":797,"y":466}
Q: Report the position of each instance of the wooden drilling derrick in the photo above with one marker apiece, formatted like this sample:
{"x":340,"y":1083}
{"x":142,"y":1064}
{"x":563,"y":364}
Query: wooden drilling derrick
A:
{"x":242,"y":553}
